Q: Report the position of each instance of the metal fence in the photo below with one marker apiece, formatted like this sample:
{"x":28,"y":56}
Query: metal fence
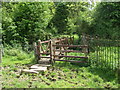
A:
{"x":105,"y":53}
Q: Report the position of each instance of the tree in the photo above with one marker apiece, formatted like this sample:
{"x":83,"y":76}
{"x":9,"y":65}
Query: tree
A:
{"x":59,"y":21}
{"x":25,"y":22}
{"x":106,"y":20}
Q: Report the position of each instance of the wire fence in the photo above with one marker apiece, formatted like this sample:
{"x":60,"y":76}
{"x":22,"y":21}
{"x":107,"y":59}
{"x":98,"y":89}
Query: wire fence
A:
{"x":105,"y":53}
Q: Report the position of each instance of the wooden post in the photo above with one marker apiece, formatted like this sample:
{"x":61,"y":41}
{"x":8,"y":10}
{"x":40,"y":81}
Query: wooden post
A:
{"x":0,"y":55}
{"x":60,"y":47}
{"x":73,"y":40}
{"x":70,"y":40}
{"x":84,"y":42}
{"x":67,"y":40}
{"x":54,"y":48}
{"x":65,"y":48}
{"x":51,"y":51}
{"x":35,"y":51}
{"x":39,"y":49}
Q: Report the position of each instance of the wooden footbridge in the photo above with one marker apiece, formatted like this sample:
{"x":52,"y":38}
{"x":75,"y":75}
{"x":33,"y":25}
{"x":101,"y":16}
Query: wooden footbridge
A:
{"x":47,"y":52}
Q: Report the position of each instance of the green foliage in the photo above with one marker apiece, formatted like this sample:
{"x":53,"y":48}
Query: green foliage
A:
{"x":106,"y":20}
{"x":16,"y":55}
{"x":59,"y":21}
{"x":105,"y":56}
{"x":25,"y":22}
{"x":64,"y":75}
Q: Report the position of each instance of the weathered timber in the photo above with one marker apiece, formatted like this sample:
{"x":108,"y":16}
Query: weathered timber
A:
{"x":82,"y":46}
{"x":29,"y":71}
{"x":45,"y":57}
{"x":51,"y":52}
{"x":39,"y":49}
{"x":71,"y":56}
{"x":39,"y":69}
{"x":59,"y":40}
{"x":70,"y":51}
{"x":0,"y":55}
{"x":40,"y":65}
{"x":45,"y":41}
{"x":71,"y":61}
{"x":35,"y":51}
{"x":44,"y":53}
{"x":44,"y":61}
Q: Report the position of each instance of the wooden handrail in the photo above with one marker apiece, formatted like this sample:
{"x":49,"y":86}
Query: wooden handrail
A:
{"x":59,"y":40}
{"x":84,"y":46}
{"x":44,"y":57}
{"x":44,"y":53}
{"x":55,"y":41}
{"x":70,"y":51}
{"x":70,"y":61}
{"x":45,"y":41}
{"x":70,"y":56}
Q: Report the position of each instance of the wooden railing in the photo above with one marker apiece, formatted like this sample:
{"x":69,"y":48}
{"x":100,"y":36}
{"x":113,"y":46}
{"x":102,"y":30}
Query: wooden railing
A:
{"x":57,"y":48}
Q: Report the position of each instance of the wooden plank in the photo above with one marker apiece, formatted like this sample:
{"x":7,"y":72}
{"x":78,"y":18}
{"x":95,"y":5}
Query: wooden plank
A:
{"x":71,"y":56}
{"x":59,"y":40}
{"x":40,"y":65}
{"x":39,"y":69}
{"x":44,"y":57}
{"x":45,"y":41}
{"x":48,"y":47}
{"x":51,"y":51}
{"x":39,"y":49}
{"x":44,"y":53}
{"x":42,"y":49}
{"x":29,"y":71}
{"x":1,"y":55}
{"x":35,"y":50}
{"x":70,"y":51}
{"x":82,"y":46}
{"x":71,"y":61}
{"x":44,"y":61}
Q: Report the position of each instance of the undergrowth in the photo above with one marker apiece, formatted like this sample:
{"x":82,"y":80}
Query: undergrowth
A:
{"x":60,"y":75}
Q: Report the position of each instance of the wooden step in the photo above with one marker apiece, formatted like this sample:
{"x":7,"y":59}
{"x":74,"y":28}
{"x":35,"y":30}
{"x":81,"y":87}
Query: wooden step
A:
{"x":40,"y":65}
{"x":40,"y":69}
{"x":44,"y":61}
{"x":29,"y":71}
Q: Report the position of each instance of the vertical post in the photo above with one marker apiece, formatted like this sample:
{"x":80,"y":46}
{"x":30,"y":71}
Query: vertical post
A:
{"x":73,"y":40}
{"x":54,"y":48}
{"x":39,"y":49}
{"x":65,"y":48}
{"x":0,"y":65}
{"x":84,"y":43}
{"x":35,"y":51}
{"x":60,"y":47}
{"x":51,"y":51}
{"x":65,"y":44}
{"x":0,"y":55}
{"x":67,"y":40}
{"x":70,"y":39}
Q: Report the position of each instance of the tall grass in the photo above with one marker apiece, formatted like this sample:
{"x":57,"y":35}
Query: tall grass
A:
{"x":15,"y":55}
{"x":61,"y":75}
{"x":105,"y":57}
